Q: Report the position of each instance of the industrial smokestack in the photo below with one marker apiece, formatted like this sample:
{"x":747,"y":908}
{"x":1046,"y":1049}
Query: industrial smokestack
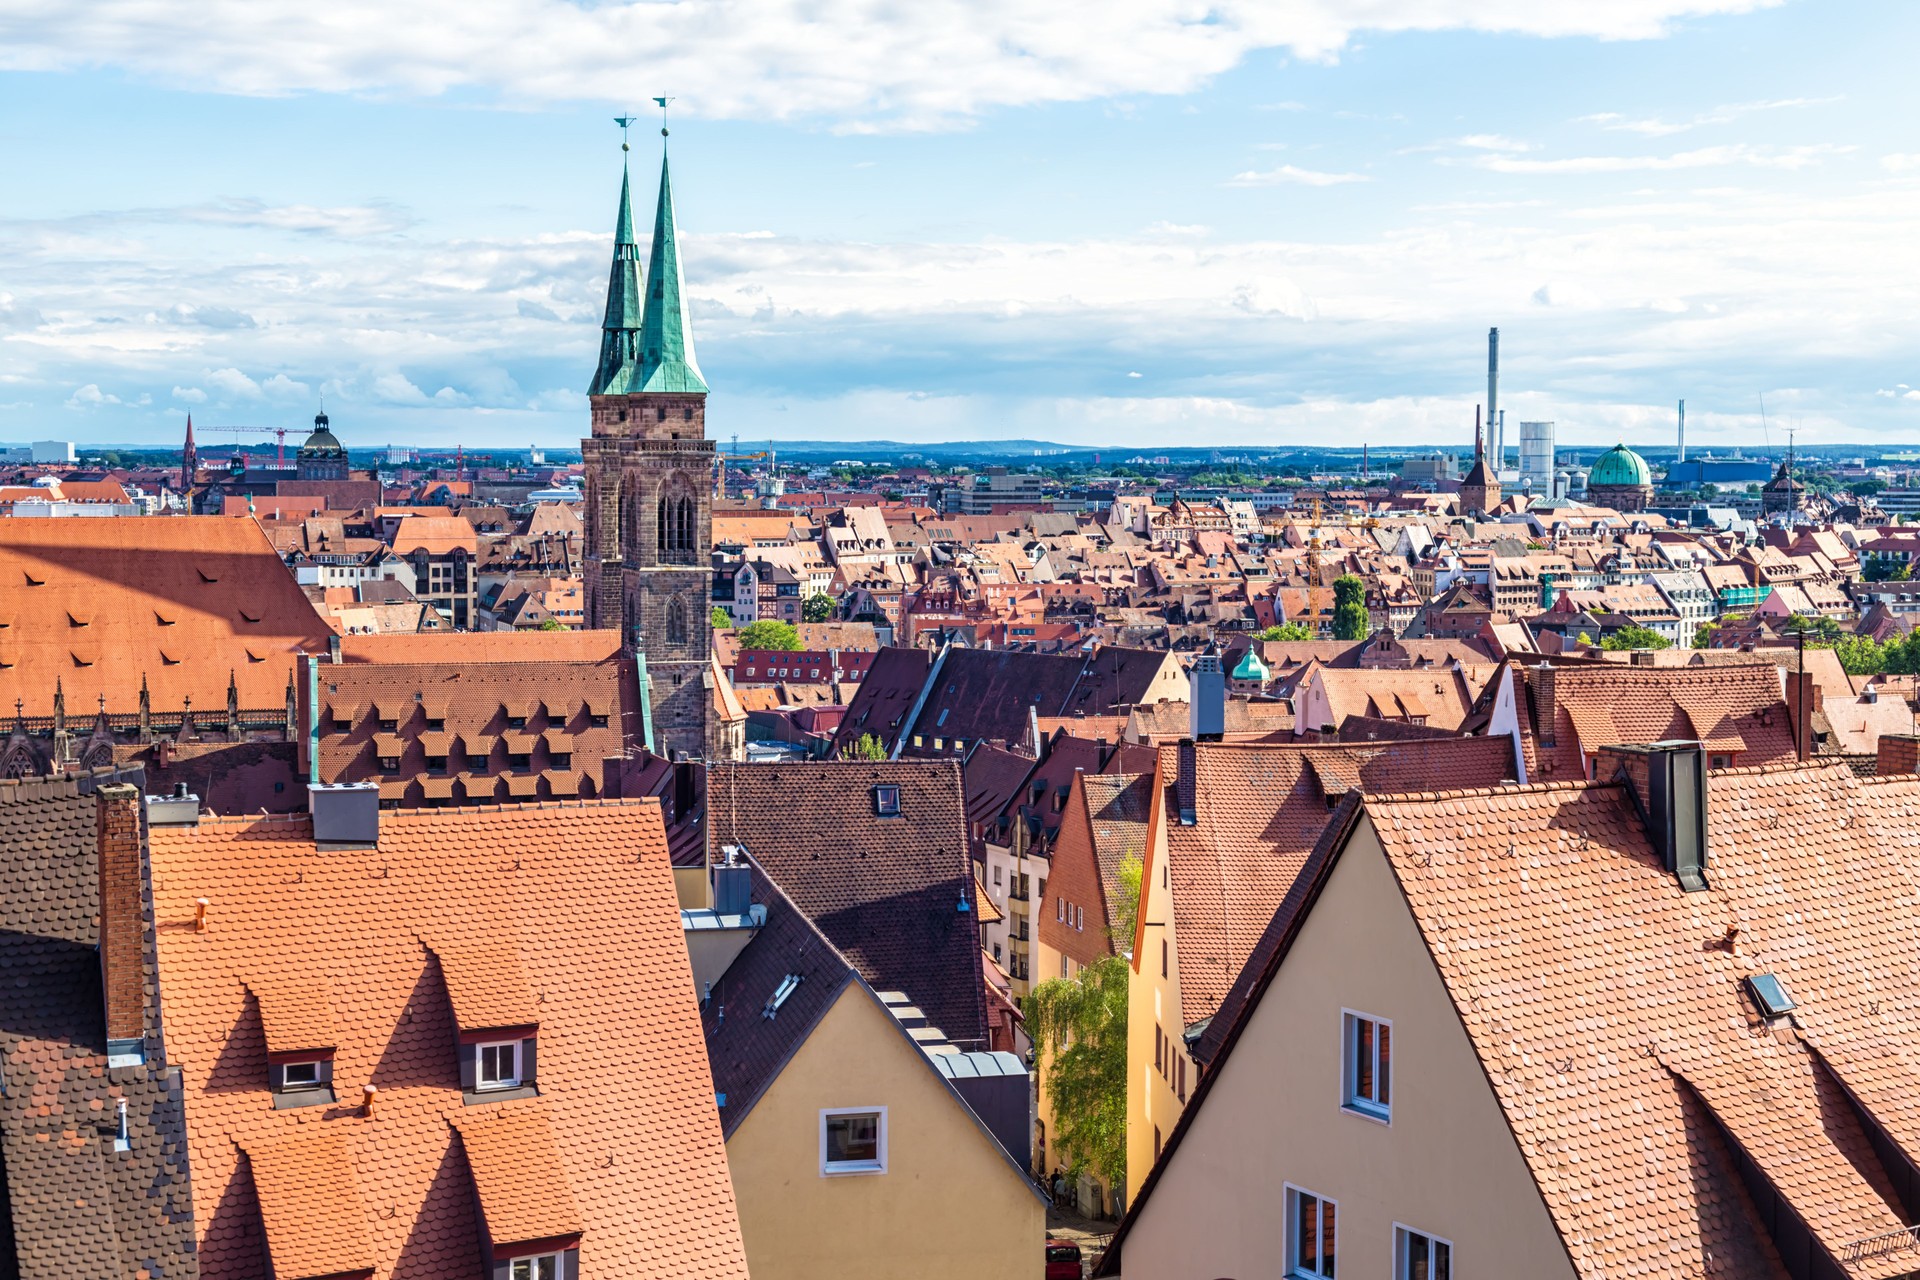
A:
{"x":1683,"y":432}
{"x":1493,"y":393}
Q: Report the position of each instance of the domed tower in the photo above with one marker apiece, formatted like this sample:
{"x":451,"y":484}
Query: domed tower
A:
{"x":1784,"y":494}
{"x":1621,"y":480}
{"x":322,"y":457}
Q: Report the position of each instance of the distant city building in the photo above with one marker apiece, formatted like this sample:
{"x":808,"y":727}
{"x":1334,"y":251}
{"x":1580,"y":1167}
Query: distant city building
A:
{"x":1621,"y":480}
{"x":44,"y":451}
{"x":1429,"y":469}
{"x":1536,"y":453}
{"x":322,"y":457}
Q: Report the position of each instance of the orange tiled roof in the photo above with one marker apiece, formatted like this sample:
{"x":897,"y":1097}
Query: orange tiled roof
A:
{"x":622,"y":1067}
{"x":1608,"y":1005}
{"x":310,"y":1206}
{"x":486,"y":986}
{"x":516,"y":1172}
{"x":468,"y":647}
{"x":296,"y":1012}
{"x":184,"y":603}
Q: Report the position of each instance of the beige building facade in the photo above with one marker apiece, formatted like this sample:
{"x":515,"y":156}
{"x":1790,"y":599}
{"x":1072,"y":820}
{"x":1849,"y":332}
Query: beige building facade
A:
{"x":1441,"y":1164}
{"x":946,"y":1202}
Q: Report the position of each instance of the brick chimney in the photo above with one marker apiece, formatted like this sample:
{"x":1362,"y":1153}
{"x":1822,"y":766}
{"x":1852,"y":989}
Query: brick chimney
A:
{"x":1899,"y":753}
{"x":123,"y":925}
{"x":1803,"y":699}
{"x":1544,"y":704}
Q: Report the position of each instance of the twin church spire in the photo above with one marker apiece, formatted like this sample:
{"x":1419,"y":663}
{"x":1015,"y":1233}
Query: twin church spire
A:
{"x":646,"y":343}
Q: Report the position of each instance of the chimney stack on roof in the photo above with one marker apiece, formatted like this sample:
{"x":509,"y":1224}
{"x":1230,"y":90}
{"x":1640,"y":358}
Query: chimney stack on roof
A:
{"x":1207,"y":699}
{"x":123,"y":922}
{"x":1899,"y":753}
{"x":345,"y":814}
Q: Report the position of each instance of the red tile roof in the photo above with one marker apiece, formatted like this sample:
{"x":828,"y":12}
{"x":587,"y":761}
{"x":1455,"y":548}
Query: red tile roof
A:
{"x":486,"y":984}
{"x":583,"y":893}
{"x":310,"y":1207}
{"x":512,"y":1153}
{"x":1736,"y":709}
{"x":185,"y":604}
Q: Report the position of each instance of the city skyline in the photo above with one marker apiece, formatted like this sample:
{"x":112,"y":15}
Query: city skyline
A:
{"x":1262,"y":234}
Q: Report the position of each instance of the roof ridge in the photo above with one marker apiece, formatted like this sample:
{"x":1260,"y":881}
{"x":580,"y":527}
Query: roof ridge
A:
{"x":1529,"y":788}
{"x":305,"y":816}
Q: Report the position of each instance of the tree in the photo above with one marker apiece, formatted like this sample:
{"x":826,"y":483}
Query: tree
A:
{"x":551,"y":624}
{"x":1866,"y":488}
{"x":719,"y":618}
{"x":1821,"y":632}
{"x":866,"y":747}
{"x":1127,"y":910}
{"x":1288,"y":631}
{"x":817,"y":607}
{"x":1636,"y":637}
{"x":1703,"y":636}
{"x":1863,"y":655}
{"x":1349,"y":608}
{"x":1079,"y":1030}
{"x":769,"y":633}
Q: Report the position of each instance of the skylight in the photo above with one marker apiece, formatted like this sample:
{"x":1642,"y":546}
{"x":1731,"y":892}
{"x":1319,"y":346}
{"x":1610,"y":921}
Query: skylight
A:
{"x":1770,"y":995}
{"x":780,"y":994}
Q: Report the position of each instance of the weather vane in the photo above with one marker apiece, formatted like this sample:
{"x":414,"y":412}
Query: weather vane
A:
{"x":663,"y":114}
{"x":623,"y":122}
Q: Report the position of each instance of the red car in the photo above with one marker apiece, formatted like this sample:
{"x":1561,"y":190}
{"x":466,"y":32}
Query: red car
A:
{"x":1063,"y":1260}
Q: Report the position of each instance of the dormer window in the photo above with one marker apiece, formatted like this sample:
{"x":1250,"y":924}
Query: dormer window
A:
{"x":296,"y":1017}
{"x":499,"y":1065}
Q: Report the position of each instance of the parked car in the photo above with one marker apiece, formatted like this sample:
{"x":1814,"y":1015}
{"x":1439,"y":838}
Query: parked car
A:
{"x":1063,"y":1260}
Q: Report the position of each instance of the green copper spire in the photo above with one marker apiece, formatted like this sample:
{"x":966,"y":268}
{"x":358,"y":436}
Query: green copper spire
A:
{"x":619,"y":368}
{"x":666,"y":337}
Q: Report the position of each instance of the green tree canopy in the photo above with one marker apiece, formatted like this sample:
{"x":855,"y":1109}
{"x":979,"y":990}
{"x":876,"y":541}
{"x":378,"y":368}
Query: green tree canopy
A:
{"x":719,"y":618}
{"x":1636,"y":638}
{"x":1349,"y":608}
{"x":866,"y":747}
{"x":769,"y":633}
{"x":817,"y":607}
{"x":1079,"y":1030}
{"x":1127,"y":909}
{"x":1286,"y":631}
{"x":551,"y":624}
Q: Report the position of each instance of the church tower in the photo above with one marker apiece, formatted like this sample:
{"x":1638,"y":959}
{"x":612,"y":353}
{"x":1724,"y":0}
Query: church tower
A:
{"x":649,"y":467}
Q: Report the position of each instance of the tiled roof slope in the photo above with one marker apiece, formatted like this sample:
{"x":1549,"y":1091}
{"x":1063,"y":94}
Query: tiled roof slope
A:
{"x":585,"y":894}
{"x":1736,"y":709}
{"x":1118,"y":806}
{"x":886,"y":891}
{"x":885,"y":697}
{"x":1608,"y":1008}
{"x":746,"y":1047}
{"x":186,"y":604}
{"x":473,"y":683}
{"x":1259,"y":809}
{"x":77,"y":1207}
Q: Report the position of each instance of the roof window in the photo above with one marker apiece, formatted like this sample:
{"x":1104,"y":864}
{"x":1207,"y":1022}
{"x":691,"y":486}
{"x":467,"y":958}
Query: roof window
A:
{"x":1770,"y":995}
{"x":786,"y":988}
{"x":886,"y":801}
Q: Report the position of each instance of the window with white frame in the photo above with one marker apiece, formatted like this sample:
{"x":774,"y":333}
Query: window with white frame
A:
{"x":1367,"y":1065}
{"x":1312,"y":1228}
{"x":1419,"y":1256}
{"x":853,"y":1140}
{"x":544,"y":1266}
{"x":1059,"y":909}
{"x":301,"y":1075}
{"x":499,"y":1065}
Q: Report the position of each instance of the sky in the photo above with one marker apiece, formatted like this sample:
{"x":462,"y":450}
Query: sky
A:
{"x":1099,"y":222}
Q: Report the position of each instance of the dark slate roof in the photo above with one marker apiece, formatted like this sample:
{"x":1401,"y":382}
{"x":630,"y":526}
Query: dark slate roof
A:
{"x":76,"y":1206}
{"x":990,"y":693}
{"x":745,"y":1048}
{"x":885,"y":696}
{"x":885,"y":891}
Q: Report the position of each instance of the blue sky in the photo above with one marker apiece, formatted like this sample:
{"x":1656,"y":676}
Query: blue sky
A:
{"x":1128,"y":222}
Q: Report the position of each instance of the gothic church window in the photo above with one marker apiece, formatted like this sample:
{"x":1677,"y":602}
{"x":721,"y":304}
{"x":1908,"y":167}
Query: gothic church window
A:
{"x":676,"y":623}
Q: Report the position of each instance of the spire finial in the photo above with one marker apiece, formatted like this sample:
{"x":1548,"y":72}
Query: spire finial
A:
{"x":663,"y":115}
{"x":624,"y":122}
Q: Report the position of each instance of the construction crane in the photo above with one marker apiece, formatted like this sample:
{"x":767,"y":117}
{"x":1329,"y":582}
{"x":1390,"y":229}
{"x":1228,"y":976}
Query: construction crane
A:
{"x":279,"y":435}
{"x":721,"y":459}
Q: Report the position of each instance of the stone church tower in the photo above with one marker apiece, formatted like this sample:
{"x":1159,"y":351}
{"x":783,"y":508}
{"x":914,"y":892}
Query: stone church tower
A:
{"x":649,"y":468}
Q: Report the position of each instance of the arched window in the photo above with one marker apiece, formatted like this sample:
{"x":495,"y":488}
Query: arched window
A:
{"x":677,"y":521}
{"x":676,"y":623}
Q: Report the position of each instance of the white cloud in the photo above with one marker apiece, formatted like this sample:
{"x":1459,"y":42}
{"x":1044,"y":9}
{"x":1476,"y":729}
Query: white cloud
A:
{"x":1493,"y":142}
{"x":349,"y":221}
{"x":397,"y":388}
{"x":232,"y":384}
{"x":190,"y":395}
{"x":281,"y":387}
{"x":1654,"y":127}
{"x":91,"y":397}
{"x":1904,"y":163}
{"x":928,"y":63}
{"x":1701,"y":158}
{"x":1288,"y":174}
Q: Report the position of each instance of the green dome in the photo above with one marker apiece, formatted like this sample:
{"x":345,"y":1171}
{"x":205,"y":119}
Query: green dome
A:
{"x":1620,"y":465}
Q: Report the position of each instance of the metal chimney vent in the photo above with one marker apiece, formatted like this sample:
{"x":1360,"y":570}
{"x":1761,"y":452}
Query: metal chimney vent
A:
{"x":345,"y":813}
